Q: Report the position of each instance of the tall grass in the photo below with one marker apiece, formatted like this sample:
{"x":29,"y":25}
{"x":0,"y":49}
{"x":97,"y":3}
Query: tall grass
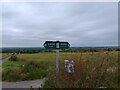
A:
{"x":92,"y":70}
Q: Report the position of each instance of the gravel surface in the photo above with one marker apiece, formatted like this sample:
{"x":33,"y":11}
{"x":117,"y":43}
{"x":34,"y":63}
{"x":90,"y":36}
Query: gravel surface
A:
{"x":24,"y":84}
{"x":4,"y":60}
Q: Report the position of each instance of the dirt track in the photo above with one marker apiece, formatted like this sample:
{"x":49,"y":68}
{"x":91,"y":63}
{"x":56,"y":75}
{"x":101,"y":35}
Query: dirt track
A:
{"x":24,"y":84}
{"x":4,"y":60}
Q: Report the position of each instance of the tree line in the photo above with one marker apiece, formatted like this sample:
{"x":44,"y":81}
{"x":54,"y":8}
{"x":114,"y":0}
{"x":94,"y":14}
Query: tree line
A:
{"x":72,"y":49}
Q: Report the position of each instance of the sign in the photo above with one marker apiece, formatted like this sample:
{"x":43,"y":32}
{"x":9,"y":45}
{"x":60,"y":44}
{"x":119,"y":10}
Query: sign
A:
{"x":69,"y":66}
{"x":56,"y":45}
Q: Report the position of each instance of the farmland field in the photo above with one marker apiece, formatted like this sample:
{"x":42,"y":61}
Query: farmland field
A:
{"x":92,"y":69}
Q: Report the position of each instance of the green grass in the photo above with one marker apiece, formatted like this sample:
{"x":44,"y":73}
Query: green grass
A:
{"x":89,"y":69}
{"x":11,"y":65}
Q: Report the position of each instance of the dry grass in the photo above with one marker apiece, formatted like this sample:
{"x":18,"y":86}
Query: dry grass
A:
{"x":92,"y":70}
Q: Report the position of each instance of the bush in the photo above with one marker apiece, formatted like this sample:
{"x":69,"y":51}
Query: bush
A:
{"x":13,"y":58}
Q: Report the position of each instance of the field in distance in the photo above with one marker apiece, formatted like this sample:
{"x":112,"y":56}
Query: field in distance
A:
{"x":92,"y":69}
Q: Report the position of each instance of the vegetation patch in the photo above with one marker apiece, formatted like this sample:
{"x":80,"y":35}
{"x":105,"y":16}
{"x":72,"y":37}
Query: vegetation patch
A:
{"x":13,"y":58}
{"x":3,"y":55}
{"x":91,"y":69}
{"x":20,"y":71}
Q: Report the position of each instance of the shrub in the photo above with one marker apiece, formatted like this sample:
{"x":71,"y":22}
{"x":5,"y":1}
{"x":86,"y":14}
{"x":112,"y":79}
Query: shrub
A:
{"x":13,"y":58}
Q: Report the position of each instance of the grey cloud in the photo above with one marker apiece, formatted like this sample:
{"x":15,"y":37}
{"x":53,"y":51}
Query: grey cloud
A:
{"x":82,"y":24}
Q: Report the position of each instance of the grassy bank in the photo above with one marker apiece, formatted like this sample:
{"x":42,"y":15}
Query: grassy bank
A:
{"x":92,"y":69}
{"x":3,"y":55}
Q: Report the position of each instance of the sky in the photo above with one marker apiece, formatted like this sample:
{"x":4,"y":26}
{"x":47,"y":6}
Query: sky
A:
{"x":82,"y":24}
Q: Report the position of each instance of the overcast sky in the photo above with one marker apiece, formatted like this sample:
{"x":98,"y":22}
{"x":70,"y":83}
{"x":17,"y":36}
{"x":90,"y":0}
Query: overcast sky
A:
{"x":81,"y":24}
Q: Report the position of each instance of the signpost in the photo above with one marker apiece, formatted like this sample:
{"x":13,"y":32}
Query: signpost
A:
{"x":56,"y":45}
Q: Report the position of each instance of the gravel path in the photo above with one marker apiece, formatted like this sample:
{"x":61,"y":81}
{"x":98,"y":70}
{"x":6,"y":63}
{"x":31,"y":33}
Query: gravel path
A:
{"x":24,"y":84}
{"x":4,"y":60}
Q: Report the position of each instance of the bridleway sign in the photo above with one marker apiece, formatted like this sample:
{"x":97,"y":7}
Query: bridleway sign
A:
{"x":56,"y":45}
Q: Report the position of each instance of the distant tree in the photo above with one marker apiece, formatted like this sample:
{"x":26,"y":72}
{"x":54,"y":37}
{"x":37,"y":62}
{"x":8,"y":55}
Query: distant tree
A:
{"x":110,"y":49}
